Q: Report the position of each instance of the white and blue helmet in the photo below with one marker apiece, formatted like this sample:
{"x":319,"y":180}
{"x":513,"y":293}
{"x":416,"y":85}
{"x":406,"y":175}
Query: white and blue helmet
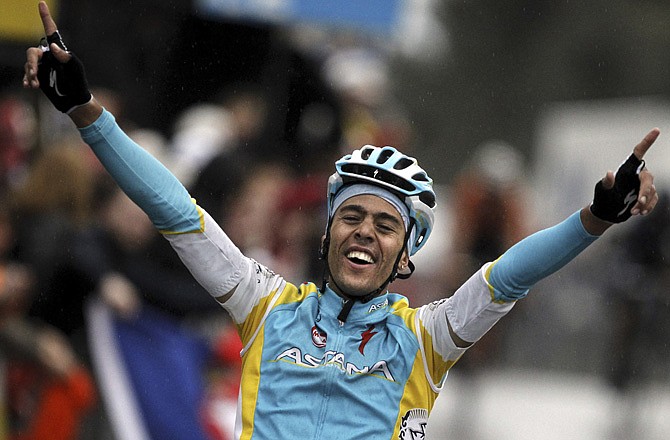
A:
{"x":392,"y":170}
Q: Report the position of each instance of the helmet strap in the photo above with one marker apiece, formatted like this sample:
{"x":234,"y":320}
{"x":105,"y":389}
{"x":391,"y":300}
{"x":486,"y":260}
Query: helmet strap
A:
{"x":410,"y":265}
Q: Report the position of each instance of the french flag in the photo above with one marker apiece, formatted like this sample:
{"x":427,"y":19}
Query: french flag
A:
{"x":150,"y":374}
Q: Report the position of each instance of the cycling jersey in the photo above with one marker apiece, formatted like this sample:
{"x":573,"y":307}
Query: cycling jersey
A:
{"x":305,"y":373}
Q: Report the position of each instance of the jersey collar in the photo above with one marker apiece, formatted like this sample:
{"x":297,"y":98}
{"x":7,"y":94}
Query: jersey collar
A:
{"x":372,"y":311}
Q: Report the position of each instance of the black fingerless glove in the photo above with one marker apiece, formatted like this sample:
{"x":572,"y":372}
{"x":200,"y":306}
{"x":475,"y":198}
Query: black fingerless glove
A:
{"x":614,"y":205}
{"x":64,"y":84}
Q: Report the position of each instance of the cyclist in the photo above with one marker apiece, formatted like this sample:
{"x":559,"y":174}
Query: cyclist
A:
{"x":343,"y":357}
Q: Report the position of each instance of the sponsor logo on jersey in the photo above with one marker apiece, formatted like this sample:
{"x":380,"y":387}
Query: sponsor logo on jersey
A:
{"x":435,"y":304}
{"x":335,"y":359}
{"x":262,"y":272}
{"x":318,"y":337}
{"x":381,"y":305}
{"x":413,"y":424}
{"x":365,"y":338}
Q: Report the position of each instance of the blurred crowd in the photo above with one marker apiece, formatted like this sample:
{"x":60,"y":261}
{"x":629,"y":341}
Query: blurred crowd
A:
{"x":83,"y":271}
{"x":95,"y":305}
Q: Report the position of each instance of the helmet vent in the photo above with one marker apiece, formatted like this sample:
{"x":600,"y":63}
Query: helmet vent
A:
{"x":428,"y":199}
{"x":378,"y":174}
{"x":422,"y":177}
{"x":366,"y":152}
{"x":402,"y":164}
{"x":384,"y":156}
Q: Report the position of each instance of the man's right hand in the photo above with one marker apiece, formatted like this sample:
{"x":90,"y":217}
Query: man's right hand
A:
{"x":56,"y":71}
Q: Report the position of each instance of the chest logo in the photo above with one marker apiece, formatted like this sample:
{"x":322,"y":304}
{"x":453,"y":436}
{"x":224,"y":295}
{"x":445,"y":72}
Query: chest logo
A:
{"x":318,"y":337}
{"x":365,"y":338}
{"x":378,"y":306}
{"x":335,"y":359}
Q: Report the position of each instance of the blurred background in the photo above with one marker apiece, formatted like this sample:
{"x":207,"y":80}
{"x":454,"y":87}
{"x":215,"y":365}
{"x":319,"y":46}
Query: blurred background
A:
{"x":514,"y":108}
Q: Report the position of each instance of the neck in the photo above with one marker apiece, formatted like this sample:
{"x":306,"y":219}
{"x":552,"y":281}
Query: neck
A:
{"x":362,"y":298}
{"x":349,"y":300}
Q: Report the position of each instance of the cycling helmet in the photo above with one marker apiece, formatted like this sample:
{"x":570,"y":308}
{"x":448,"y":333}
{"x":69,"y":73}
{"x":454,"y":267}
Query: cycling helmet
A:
{"x":394,"y":171}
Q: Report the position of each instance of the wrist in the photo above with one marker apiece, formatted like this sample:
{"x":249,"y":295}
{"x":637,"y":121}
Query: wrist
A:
{"x":592,"y":224}
{"x":86,"y":114}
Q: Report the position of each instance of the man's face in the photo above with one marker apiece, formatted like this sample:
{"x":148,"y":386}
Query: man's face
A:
{"x":366,"y":236}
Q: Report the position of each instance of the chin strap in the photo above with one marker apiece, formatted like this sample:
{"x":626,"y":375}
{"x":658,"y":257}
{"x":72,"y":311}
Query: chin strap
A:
{"x":346,"y":308}
{"x":348,"y":300}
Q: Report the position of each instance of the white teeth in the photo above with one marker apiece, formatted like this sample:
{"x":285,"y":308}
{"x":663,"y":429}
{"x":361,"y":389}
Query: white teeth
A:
{"x":360,"y":256}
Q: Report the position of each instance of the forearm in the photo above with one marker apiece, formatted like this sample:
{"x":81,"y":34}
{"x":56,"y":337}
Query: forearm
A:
{"x":143,"y":178}
{"x":540,"y":255}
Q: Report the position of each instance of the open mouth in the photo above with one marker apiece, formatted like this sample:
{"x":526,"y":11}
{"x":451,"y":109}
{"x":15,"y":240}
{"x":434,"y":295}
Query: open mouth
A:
{"x":359,"y":257}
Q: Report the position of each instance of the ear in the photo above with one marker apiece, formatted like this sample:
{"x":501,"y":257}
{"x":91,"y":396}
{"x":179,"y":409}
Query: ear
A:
{"x":404,"y":261}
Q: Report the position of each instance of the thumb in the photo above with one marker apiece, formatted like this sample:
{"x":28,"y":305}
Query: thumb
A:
{"x":61,"y":55}
{"x":608,"y":180}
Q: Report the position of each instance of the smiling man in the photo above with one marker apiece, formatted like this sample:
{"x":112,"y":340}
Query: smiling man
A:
{"x":346,"y":359}
{"x":369,"y":233}
{"x":380,"y":211}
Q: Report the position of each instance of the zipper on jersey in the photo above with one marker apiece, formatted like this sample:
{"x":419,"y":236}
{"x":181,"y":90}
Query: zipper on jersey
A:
{"x":332,"y":373}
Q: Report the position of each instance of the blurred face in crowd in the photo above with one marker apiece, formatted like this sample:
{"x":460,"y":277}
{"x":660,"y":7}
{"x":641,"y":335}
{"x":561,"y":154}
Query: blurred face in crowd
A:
{"x":366,"y":236}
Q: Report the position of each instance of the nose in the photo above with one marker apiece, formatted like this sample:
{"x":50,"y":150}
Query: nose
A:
{"x":365,"y":230}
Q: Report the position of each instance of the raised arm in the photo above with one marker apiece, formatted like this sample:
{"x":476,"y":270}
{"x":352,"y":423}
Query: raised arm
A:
{"x":60,"y":75}
{"x":214,"y":261}
{"x":617,"y":197}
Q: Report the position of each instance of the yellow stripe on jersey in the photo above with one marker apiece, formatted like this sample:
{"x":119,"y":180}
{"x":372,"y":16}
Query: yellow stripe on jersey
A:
{"x":248,"y":328}
{"x":201,"y":219}
{"x":292,"y":294}
{"x":289,"y":295}
{"x":251,"y":364}
{"x":251,"y":361}
{"x":438,"y":366}
{"x":487,"y":277}
{"x":417,"y":394}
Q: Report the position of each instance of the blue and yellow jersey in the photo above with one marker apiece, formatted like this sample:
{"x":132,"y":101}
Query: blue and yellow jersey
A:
{"x":305,"y":373}
{"x":308,"y":375}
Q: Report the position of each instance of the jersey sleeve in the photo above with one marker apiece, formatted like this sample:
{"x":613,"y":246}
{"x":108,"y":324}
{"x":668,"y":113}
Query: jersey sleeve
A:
{"x":492,"y":291}
{"x":142,"y":177}
{"x":471,"y":312}
{"x":211,"y":257}
{"x":219,"y":266}
{"x":536,"y":257}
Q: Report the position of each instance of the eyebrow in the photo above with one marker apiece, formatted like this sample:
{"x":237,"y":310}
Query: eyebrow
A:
{"x":382,"y":215}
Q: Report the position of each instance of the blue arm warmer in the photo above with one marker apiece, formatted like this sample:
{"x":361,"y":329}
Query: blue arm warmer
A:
{"x":537,"y":257}
{"x":143,"y":178}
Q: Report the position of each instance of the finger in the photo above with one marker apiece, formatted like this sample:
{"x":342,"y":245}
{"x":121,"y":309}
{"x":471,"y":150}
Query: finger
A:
{"x":647,"y":194}
{"x":651,"y":205}
{"x":48,"y":22}
{"x":641,"y":149}
{"x":33,"y":56}
{"x":60,"y":55}
{"x":608,"y":180}
{"x":645,"y":208}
